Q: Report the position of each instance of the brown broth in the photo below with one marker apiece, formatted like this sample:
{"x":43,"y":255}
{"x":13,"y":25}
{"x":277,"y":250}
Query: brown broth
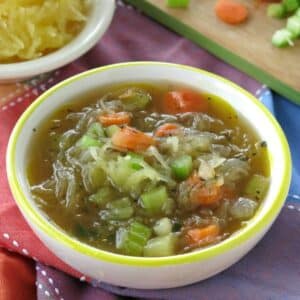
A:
{"x":82,"y":221}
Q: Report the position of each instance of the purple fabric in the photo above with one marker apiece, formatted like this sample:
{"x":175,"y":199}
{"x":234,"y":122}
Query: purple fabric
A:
{"x":272,"y":269}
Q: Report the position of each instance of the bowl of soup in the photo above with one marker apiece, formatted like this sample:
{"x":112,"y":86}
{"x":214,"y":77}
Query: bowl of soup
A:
{"x":41,"y":36}
{"x":148,"y":170}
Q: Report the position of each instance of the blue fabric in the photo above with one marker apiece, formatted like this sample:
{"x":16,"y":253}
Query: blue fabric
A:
{"x":288,"y":115}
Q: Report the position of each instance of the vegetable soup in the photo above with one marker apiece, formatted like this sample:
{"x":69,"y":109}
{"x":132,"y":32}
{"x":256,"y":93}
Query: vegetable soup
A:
{"x":149,"y":170}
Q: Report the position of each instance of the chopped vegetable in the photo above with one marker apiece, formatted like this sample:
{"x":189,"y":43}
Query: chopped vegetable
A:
{"x":290,"y":5}
{"x":231,"y":11}
{"x":135,"y":99}
{"x":132,"y":139}
{"x":293,"y":25}
{"x":133,"y":240}
{"x":95,"y":131}
{"x":86,"y":141}
{"x":243,"y":208}
{"x":161,"y":246}
{"x":167,"y":129}
{"x":203,"y":236}
{"x":154,"y":200}
{"x":163,"y":227}
{"x":257,"y":187}
{"x":176,"y":102}
{"x":103,"y":196}
{"x":182,"y":167}
{"x":118,"y":210}
{"x":111,"y":130}
{"x":119,"y":118}
{"x":178,"y":3}
{"x":276,"y":10}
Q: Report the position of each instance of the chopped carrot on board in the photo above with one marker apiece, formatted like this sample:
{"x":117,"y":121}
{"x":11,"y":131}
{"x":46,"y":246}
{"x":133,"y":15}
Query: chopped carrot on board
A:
{"x":231,"y":11}
{"x":119,"y":118}
{"x":132,"y":139}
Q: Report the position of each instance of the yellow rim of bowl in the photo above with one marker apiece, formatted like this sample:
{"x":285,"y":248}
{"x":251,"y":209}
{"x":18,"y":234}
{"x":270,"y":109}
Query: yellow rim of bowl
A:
{"x":256,"y":225}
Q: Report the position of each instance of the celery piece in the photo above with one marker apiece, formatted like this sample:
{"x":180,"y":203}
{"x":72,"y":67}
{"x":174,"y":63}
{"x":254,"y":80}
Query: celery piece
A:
{"x":119,"y":209}
{"x":282,"y":38}
{"x":136,"y":160}
{"x":293,"y":25}
{"x":161,"y":246}
{"x":257,"y":187}
{"x":182,"y":167}
{"x":290,"y":5}
{"x":276,"y":10}
{"x":178,"y":3}
{"x":111,"y":130}
{"x":103,"y":196}
{"x":163,"y":227}
{"x":121,"y":237}
{"x":95,"y":131}
{"x":96,"y":176}
{"x":132,"y":241}
{"x":86,"y":141}
{"x":153,"y":201}
{"x":135,"y":99}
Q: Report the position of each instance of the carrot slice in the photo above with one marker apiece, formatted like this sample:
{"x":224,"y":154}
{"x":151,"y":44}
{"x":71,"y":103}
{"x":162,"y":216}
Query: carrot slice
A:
{"x":167,"y":129}
{"x":205,"y":235}
{"x":119,"y":118}
{"x":176,"y":102}
{"x":231,"y":12}
{"x":132,"y":139}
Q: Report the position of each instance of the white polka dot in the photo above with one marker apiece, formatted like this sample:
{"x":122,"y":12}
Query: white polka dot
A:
{"x":47,"y":293}
{"x":36,"y":283}
{"x":25,"y":251}
{"x":291,"y":207}
{"x":4,"y":107}
{"x":82,"y":278}
{"x":44,"y":273}
{"x":40,"y":286}
{"x":20,"y":99}
{"x":37,"y":268}
{"x":12,"y":104}
{"x":15,"y":243}
{"x":62,"y":299}
{"x":50,"y":280}
{"x":6,"y":236}
{"x":34,"y":258}
{"x":56,"y":290}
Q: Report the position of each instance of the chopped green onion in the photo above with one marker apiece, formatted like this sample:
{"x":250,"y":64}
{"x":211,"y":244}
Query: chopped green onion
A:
{"x":163,"y":227}
{"x":282,"y":38}
{"x":178,"y":3}
{"x":154,"y":200}
{"x":182,"y":167}
{"x":257,"y":187}
{"x":95,"y":131}
{"x":161,"y":246}
{"x":290,"y":5}
{"x":86,"y":141}
{"x":293,"y":25}
{"x":276,"y":10}
{"x":133,"y":240}
{"x":103,"y":196}
{"x":111,"y":130}
{"x":95,"y":176}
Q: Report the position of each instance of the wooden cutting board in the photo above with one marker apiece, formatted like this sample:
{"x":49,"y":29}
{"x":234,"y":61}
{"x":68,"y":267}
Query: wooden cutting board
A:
{"x":247,"y":47}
